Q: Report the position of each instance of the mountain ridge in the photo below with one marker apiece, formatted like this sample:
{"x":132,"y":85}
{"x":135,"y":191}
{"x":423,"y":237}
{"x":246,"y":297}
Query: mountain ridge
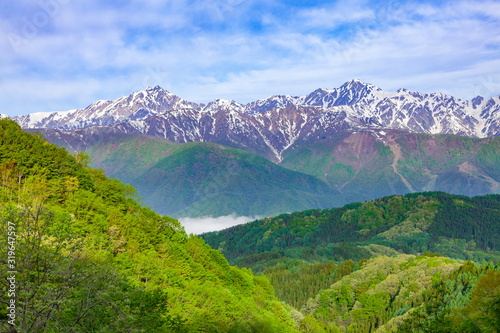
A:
{"x":356,"y":166}
{"x":271,"y":126}
{"x":359,"y":140}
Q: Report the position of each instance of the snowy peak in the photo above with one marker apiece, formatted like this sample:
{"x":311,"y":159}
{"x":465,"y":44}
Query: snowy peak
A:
{"x":350,"y":93}
{"x":357,"y":84}
{"x":354,"y":91}
{"x":271,"y":126}
{"x":223,"y":104}
{"x":136,"y":106}
{"x":155,"y":99}
{"x":271,"y":103}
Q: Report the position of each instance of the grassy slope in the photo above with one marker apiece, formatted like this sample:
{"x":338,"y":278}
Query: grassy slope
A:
{"x":209,"y":179}
{"x":127,"y":157}
{"x":200,"y":179}
{"x":360,"y":166}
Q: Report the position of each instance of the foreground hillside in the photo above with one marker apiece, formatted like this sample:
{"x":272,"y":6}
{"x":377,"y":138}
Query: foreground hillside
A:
{"x":90,"y":259}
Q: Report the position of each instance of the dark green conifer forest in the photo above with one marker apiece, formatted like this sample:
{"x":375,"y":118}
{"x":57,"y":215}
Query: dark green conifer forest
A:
{"x":423,"y":262}
{"x":89,"y":258}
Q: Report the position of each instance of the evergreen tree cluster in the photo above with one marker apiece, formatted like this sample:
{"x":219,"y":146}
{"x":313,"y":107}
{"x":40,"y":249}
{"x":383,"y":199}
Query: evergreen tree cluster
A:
{"x":456,"y":226}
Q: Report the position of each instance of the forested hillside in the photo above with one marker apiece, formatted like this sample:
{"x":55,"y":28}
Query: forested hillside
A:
{"x":409,"y":293}
{"x":457,"y":226}
{"x":344,"y":270}
{"x":89,"y":258}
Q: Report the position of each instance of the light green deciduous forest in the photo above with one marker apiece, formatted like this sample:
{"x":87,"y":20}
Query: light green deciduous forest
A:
{"x":89,"y":258}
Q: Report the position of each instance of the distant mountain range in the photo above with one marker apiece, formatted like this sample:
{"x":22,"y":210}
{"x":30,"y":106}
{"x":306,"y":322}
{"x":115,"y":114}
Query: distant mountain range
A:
{"x":272,"y":126}
{"x":331,"y":147}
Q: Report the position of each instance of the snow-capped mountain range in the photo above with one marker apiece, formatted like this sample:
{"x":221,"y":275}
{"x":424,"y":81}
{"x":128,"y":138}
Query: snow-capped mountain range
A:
{"x":272,"y":125}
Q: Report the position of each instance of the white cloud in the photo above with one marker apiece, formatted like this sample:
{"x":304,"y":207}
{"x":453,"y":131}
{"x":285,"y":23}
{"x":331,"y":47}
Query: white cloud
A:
{"x":340,"y":12}
{"x":202,"y":50}
{"x":206,"y":224}
{"x":451,"y":55}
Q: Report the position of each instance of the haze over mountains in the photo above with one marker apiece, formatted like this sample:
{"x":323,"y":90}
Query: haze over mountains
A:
{"x":355,"y":142}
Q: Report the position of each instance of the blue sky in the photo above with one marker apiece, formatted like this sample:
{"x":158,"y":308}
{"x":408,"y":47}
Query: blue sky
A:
{"x":65,"y":54}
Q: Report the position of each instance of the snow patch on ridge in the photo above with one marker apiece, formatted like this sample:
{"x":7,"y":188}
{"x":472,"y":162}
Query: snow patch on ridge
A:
{"x":280,"y":121}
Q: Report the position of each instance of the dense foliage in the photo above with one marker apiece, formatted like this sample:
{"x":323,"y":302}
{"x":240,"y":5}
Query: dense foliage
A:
{"x":297,"y":281}
{"x":381,"y":290}
{"x":402,"y":293}
{"x":468,"y":300}
{"x":409,"y":293}
{"x":456,"y":226}
{"x":89,"y":258}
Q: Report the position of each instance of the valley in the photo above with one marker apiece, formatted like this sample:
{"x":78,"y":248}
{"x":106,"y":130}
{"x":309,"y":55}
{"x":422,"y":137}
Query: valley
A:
{"x":377,"y":266}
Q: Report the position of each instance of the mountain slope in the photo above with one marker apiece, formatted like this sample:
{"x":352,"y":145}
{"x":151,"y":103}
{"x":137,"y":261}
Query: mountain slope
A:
{"x":210,"y":179}
{"x":198,"y":179}
{"x":369,"y":164}
{"x":88,"y":257}
{"x":456,"y":226}
{"x":203,"y":179}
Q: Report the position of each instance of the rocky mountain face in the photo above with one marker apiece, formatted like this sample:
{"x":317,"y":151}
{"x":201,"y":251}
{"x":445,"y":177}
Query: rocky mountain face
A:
{"x":206,"y":179}
{"x":332,"y":147}
{"x":272,"y":126}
